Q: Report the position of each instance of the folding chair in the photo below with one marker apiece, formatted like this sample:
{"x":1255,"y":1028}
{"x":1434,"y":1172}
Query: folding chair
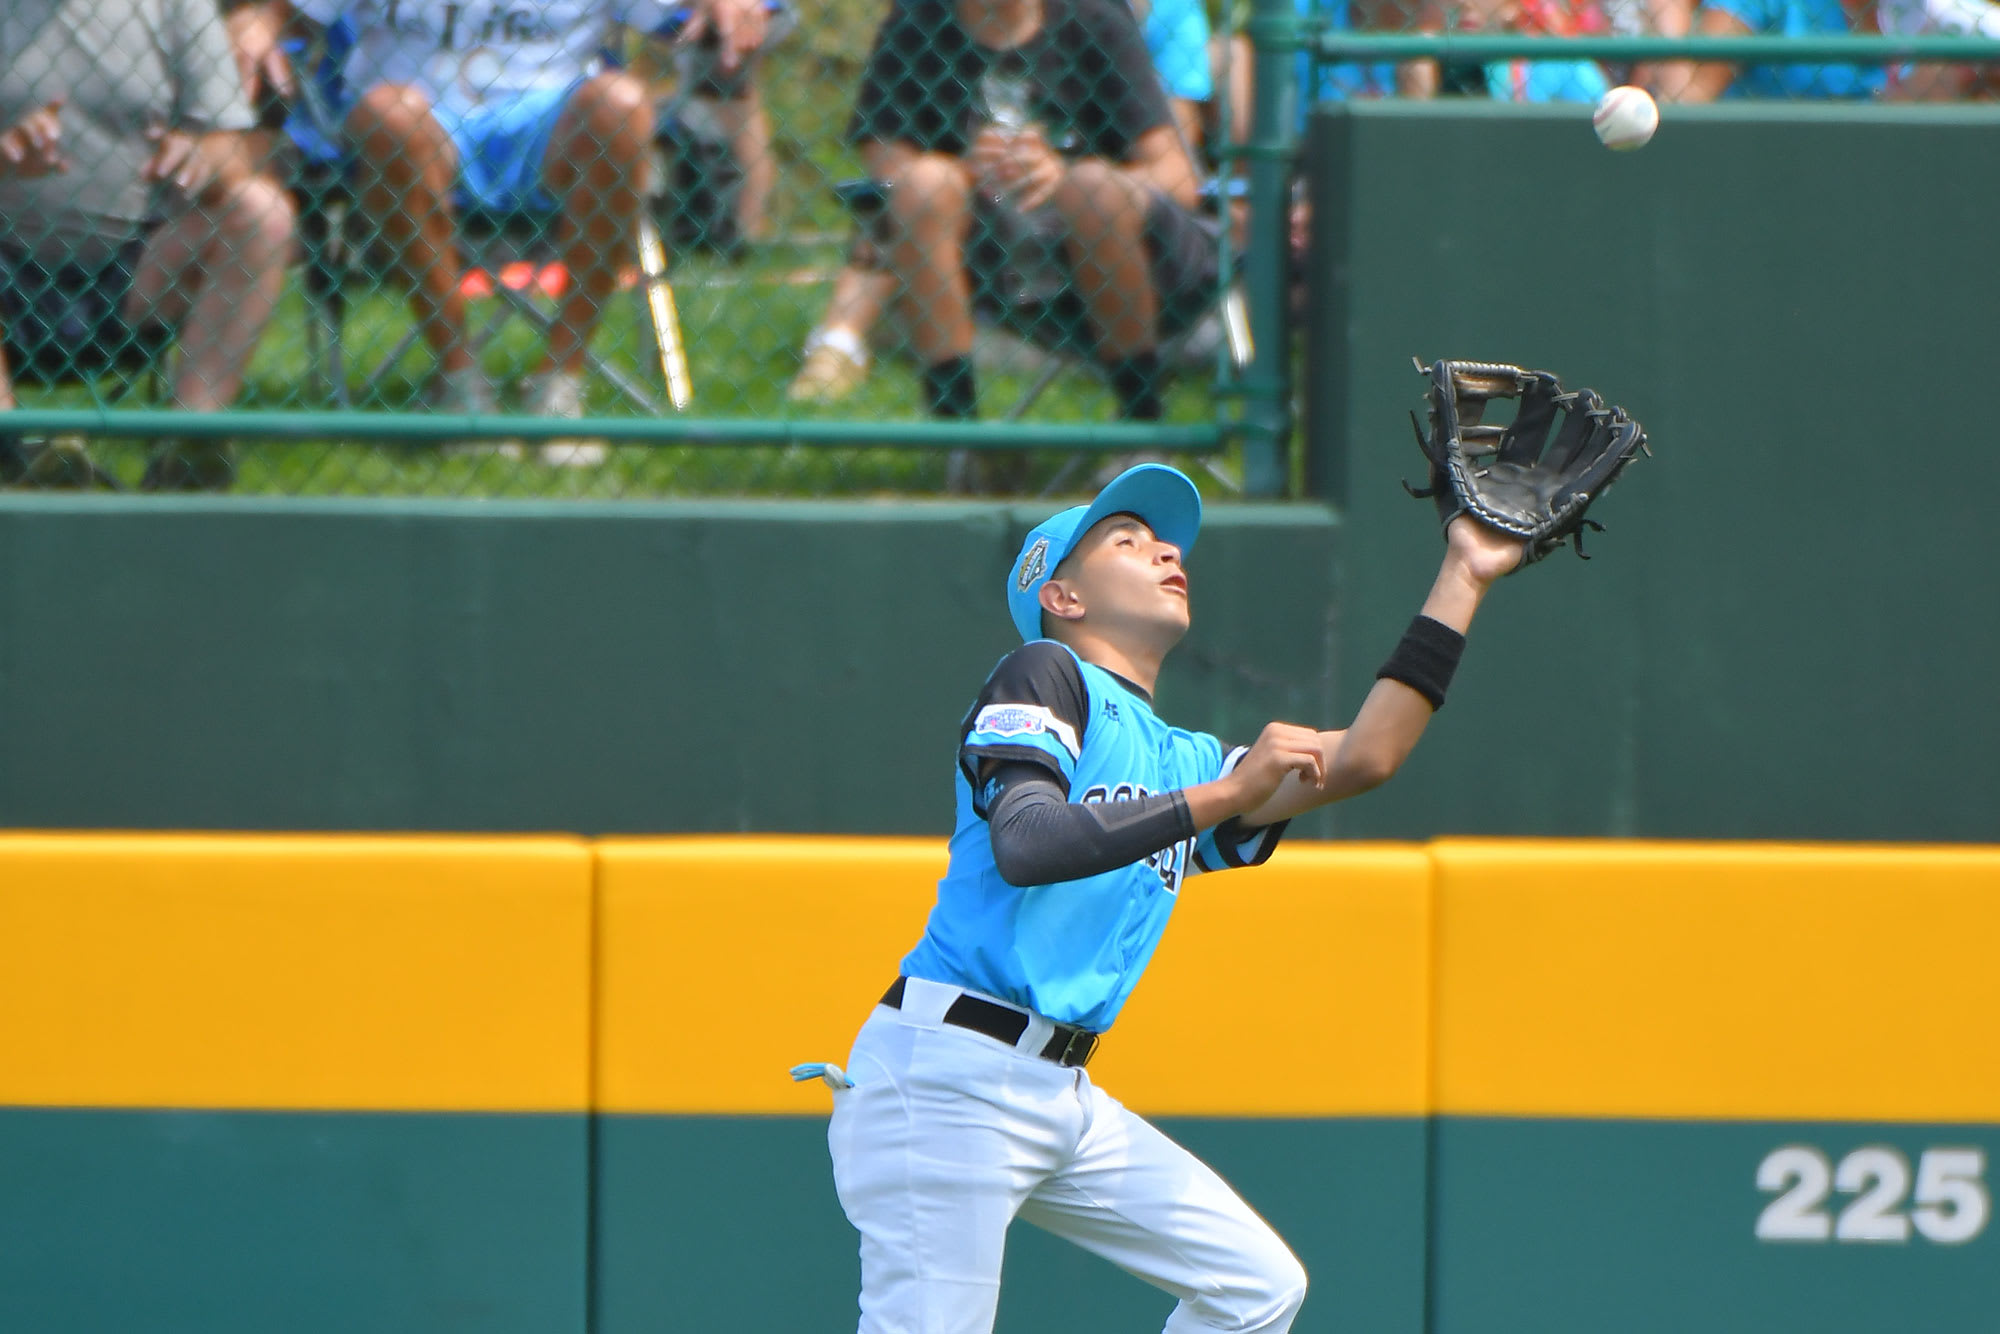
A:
{"x":489,"y":243}
{"x":62,"y":327}
{"x":1055,"y":338}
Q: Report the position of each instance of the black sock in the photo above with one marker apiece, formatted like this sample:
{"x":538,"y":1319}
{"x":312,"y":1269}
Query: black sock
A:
{"x":1136,"y":382}
{"x":949,"y":388}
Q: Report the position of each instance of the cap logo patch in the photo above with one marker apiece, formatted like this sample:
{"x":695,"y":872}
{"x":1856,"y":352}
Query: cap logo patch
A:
{"x":1034,"y":561}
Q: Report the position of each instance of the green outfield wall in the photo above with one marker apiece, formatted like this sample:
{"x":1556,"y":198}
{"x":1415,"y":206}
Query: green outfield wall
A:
{"x":311,"y":1084}
{"x":1788,"y":627}
{"x":498,"y":1084}
{"x":596,"y":668}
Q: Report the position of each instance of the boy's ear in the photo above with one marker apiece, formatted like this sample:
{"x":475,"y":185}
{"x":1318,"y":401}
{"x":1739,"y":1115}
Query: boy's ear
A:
{"x":1059,"y":598}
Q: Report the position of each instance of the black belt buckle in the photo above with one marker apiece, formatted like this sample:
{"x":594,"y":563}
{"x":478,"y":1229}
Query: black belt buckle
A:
{"x":1071,"y":1047}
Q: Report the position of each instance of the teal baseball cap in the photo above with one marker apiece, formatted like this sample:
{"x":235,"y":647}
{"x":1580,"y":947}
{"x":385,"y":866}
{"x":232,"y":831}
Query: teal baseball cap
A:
{"x":1163,"y":497}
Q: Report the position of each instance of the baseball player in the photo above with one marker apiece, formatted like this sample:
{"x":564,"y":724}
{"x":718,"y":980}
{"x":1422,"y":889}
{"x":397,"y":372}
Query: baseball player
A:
{"x":966,"y":1102}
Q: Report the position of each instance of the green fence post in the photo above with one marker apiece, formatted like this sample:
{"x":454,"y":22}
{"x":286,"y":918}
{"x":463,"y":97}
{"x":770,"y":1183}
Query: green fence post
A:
{"x":1276,"y":33}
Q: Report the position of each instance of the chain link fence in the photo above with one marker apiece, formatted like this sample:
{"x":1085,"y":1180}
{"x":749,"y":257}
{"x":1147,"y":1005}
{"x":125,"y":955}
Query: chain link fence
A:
{"x":624,"y":248}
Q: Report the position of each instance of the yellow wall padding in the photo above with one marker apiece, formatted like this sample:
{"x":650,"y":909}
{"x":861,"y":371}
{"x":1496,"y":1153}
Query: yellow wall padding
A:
{"x":1298,"y":989}
{"x":1718,"y":981}
{"x":1573,"y":979}
{"x":723,"y":962}
{"x":345,"y":973}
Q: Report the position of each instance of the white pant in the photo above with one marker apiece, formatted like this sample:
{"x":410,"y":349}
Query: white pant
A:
{"x":948,"y":1135}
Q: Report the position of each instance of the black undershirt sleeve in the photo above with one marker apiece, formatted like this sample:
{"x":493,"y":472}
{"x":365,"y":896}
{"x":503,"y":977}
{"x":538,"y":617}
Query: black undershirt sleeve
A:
{"x":1040,"y":838}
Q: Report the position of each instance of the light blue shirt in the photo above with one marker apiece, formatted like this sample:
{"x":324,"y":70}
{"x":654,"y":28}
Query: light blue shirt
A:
{"x":1798,"y":18}
{"x":1176,"y":33}
{"x":1071,"y":951}
{"x":1345,"y":79}
{"x":1546,"y":80}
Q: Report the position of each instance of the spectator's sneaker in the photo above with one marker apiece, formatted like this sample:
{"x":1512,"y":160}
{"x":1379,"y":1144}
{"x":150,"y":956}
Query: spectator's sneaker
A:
{"x":190,"y":465}
{"x":468,"y":393}
{"x":58,"y":464}
{"x":559,"y":394}
{"x":833,"y":369}
{"x":13,"y":458}
{"x":464,"y":393}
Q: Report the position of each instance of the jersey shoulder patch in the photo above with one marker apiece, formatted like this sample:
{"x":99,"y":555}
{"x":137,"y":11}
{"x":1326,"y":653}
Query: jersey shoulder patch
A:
{"x":1012,"y":720}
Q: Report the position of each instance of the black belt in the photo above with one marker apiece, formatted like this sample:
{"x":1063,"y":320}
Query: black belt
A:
{"x":1068,"y":1045}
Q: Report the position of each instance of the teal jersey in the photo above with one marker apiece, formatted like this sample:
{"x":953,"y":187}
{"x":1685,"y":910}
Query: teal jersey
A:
{"x":1070,"y":951}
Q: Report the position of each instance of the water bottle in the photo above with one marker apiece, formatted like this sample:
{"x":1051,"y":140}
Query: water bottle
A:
{"x":1005,"y":92}
{"x":1032,"y":272}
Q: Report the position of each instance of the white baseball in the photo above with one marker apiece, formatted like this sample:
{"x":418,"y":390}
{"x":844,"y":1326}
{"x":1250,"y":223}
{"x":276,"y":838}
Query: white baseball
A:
{"x":1626,"y":117}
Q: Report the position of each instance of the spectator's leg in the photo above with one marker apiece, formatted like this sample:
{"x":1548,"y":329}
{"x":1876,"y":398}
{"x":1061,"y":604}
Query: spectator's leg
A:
{"x":215,"y":272}
{"x":596,"y":166}
{"x":1105,"y":211}
{"x":860,"y":295}
{"x":1931,"y":83}
{"x":742,"y":118}
{"x":836,"y":351}
{"x":1231,"y":63}
{"x":930,"y":209}
{"x":406,"y":168}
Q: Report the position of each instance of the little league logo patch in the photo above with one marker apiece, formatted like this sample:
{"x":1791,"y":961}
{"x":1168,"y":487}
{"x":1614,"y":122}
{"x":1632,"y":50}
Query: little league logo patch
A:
{"x":1008,"y":720}
{"x":1033,"y":562}
{"x":1011,"y":720}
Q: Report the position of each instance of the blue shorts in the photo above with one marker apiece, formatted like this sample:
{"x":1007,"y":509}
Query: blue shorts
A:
{"x":502,"y":145}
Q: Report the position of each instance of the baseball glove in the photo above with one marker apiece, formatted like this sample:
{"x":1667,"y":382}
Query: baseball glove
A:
{"x":1534,"y":477}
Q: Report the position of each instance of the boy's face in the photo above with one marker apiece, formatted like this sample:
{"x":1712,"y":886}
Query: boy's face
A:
{"x":1124,"y":581}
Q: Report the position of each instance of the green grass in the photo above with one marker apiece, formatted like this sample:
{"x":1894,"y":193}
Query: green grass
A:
{"x":744,"y":325}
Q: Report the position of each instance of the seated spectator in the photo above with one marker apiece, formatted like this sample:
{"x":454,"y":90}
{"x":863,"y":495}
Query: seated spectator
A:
{"x":134,"y":213}
{"x":1520,"y":80}
{"x":1190,"y":61}
{"x":726,"y":107}
{"x":506,"y":106}
{"x":1682,"y":82}
{"x":1075,"y":205}
{"x":1930,"y":18}
{"x":1341,"y":80}
{"x":1961,"y":18}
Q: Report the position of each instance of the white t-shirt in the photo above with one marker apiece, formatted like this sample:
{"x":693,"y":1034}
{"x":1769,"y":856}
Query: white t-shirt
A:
{"x":464,"y":52}
{"x":1961,"y":18}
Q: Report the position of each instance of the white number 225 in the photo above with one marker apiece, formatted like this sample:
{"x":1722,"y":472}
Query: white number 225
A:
{"x":1951,"y":1201}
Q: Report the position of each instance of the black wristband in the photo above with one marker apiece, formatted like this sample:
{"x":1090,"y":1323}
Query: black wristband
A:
{"x":1425,"y":659}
